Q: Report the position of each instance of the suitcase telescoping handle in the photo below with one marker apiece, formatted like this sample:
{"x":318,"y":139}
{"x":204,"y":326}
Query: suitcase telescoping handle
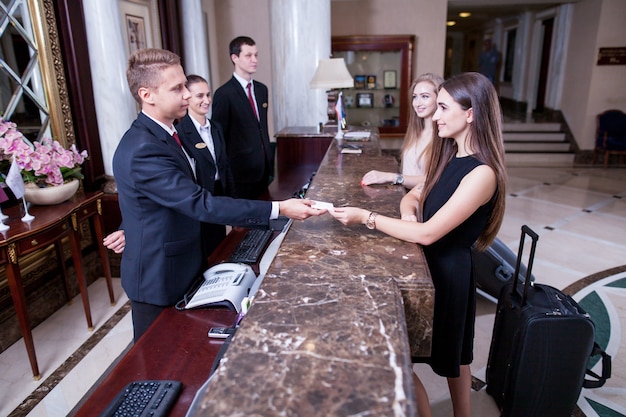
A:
{"x":534,"y":238}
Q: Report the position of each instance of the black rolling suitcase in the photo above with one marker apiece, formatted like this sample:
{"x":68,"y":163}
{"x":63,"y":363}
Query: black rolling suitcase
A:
{"x":541,"y":344}
{"x":494,"y":268}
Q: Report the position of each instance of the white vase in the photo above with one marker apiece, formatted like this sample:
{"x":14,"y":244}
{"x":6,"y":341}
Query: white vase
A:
{"x":50,"y":195}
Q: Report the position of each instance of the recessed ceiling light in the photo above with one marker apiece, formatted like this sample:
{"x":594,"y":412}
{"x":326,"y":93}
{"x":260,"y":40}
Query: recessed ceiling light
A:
{"x":464,"y":14}
{"x":450,"y":23}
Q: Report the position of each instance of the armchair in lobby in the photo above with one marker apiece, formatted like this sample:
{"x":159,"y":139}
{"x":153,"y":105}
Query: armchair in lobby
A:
{"x":610,"y":135}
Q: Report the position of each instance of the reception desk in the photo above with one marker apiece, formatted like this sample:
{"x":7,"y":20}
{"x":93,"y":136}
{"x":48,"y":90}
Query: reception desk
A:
{"x":333,"y":326}
{"x":338,"y":315}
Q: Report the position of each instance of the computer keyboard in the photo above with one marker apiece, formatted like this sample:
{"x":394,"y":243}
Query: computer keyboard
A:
{"x":144,"y":398}
{"x":251,"y":246}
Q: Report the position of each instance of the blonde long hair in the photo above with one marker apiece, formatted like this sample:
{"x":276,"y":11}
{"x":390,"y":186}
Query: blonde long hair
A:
{"x":417,"y":124}
{"x":475,"y":91}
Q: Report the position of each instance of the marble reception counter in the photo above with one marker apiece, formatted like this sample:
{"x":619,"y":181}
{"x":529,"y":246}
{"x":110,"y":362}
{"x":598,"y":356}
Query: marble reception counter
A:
{"x":339,"y":314}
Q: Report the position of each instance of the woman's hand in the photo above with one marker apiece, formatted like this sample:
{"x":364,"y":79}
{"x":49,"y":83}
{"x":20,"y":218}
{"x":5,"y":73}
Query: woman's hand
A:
{"x":378,"y":177}
{"x":409,"y":205}
{"x":116,"y":241}
{"x":409,"y":217}
{"x":350,"y":215}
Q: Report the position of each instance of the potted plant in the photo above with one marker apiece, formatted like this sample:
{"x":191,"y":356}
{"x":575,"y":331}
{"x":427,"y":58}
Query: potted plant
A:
{"x":50,"y":172}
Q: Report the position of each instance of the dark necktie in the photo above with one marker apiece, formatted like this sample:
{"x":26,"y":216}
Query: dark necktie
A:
{"x":252,"y":100}
{"x":177,"y":139}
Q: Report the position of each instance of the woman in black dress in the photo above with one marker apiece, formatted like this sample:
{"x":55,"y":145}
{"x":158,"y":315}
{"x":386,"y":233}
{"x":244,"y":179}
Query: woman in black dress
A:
{"x":461,"y":203}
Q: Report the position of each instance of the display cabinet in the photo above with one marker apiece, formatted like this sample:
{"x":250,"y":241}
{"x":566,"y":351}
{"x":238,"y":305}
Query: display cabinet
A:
{"x":382,"y":71}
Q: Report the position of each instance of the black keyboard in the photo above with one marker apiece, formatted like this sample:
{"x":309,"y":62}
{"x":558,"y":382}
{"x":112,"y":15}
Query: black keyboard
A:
{"x":144,"y":398}
{"x":251,"y":247}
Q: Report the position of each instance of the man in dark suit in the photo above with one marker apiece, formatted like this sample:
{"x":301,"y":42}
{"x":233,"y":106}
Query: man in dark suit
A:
{"x":162,"y":205}
{"x":240,"y":107}
{"x":204,"y":140}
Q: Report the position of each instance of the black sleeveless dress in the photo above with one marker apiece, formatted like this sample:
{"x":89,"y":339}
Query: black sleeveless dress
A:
{"x":450,"y":263}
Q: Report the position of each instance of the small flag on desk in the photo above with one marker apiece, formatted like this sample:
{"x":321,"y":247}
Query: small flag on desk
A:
{"x":14,"y":180}
{"x":339,"y":110}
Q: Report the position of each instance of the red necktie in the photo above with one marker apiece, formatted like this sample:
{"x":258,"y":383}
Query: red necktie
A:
{"x":252,"y":100}
{"x":177,"y":139}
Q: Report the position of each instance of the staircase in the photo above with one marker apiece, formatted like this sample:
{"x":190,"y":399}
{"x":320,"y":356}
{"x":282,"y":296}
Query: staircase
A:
{"x":537,"y":143}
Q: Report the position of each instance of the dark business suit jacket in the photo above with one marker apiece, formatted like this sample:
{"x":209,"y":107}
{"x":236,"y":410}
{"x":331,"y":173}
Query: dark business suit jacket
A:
{"x":162,"y":207}
{"x":206,"y":167}
{"x":247,"y":139}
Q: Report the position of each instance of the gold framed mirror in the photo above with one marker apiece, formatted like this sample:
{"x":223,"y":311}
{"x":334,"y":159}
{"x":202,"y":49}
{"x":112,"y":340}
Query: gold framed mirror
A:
{"x":33,"y":89}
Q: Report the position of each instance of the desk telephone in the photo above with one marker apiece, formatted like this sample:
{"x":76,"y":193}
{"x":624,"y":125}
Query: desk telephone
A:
{"x":225,"y":284}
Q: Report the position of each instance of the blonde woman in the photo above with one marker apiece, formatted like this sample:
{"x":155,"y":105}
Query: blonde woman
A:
{"x":418,"y":139}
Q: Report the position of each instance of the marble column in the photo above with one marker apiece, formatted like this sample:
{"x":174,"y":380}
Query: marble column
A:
{"x":195,"y":45}
{"x":300,"y":33}
{"x":115,"y":106}
{"x":558,"y":67}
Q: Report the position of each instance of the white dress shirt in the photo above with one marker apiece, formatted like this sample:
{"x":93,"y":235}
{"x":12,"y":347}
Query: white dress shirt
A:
{"x":207,"y":138}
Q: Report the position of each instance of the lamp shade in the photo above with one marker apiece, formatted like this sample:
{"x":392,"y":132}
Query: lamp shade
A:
{"x":332,"y":73}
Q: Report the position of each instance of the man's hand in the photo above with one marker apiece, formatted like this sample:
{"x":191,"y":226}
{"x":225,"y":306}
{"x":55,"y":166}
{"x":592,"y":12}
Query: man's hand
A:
{"x":299,"y":209}
{"x":116,"y":241}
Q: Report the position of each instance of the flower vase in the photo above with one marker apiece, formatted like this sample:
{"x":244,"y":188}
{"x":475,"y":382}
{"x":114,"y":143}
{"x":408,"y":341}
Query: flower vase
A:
{"x":50,"y":195}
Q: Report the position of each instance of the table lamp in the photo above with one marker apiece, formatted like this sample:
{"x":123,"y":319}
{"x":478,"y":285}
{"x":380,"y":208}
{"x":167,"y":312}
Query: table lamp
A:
{"x":330,"y":75}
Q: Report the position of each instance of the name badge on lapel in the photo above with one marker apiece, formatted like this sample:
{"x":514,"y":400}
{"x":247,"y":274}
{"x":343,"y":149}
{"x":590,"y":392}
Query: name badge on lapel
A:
{"x":200,"y":145}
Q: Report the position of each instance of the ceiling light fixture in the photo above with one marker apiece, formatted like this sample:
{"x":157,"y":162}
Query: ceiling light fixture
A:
{"x":450,"y":23}
{"x":464,"y":14}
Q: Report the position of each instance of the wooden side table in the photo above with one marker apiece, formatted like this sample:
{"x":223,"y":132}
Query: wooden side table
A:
{"x":50,"y":225}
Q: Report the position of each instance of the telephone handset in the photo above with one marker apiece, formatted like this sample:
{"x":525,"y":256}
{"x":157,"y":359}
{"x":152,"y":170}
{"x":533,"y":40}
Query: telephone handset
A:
{"x":224,"y":284}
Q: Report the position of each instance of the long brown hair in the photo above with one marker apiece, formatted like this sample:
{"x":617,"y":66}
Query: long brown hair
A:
{"x":475,"y":91}
{"x":417,"y":124}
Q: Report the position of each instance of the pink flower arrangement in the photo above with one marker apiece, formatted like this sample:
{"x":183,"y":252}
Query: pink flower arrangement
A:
{"x":44,"y":163}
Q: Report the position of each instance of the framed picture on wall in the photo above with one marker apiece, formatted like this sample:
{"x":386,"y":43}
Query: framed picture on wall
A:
{"x":390,"y":79}
{"x":136,"y":32}
{"x":371,"y":82}
{"x":359,"y":81}
{"x":140,"y":24}
{"x":365,"y":100}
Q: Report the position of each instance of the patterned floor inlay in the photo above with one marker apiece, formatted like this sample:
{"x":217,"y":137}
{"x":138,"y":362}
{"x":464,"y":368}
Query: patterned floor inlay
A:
{"x":603,"y":296}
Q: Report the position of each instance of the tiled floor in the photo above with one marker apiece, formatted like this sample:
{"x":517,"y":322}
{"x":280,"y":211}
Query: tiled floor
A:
{"x":579,"y":213}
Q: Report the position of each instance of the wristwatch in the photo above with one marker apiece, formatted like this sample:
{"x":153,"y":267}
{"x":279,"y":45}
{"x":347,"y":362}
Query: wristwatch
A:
{"x":399,"y":180}
{"x":371,"y":221}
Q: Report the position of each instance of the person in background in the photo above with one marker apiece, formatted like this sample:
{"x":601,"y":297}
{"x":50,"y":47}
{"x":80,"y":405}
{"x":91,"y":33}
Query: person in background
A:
{"x":417,"y":143}
{"x":488,"y":61}
{"x":240,"y":108}
{"x":462,"y":204}
{"x":204,"y":141}
{"x":161,"y":203}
